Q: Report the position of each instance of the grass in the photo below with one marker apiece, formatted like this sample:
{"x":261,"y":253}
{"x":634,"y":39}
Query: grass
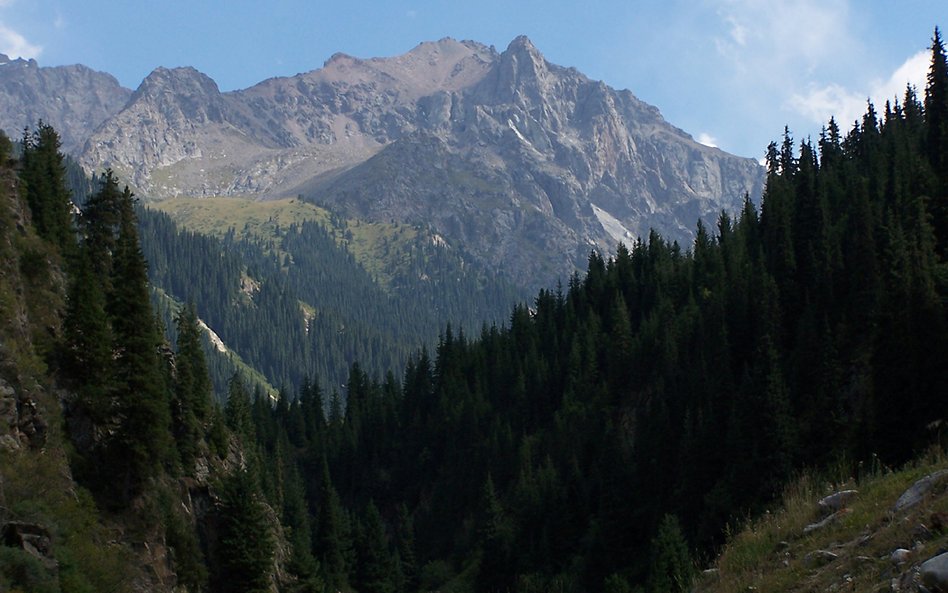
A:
{"x":381,"y":248}
{"x":248,"y":218}
{"x":769,"y":553}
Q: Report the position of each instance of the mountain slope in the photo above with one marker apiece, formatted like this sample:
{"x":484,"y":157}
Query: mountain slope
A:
{"x":525,"y":163}
{"x":73,"y":99}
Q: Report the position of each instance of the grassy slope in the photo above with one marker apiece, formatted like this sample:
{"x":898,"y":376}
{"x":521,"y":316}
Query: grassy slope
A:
{"x":769,"y":554}
{"x":378,"y":247}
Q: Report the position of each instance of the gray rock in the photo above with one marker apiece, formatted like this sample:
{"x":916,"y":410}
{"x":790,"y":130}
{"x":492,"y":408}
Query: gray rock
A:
{"x":73,"y":99}
{"x":837,"y":501}
{"x":818,"y":558}
{"x":918,"y":490}
{"x":934,"y":573}
{"x":824,"y":522}
{"x":900,"y":556}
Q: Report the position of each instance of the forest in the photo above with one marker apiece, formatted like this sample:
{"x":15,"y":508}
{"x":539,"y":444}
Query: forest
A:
{"x":602,"y":439}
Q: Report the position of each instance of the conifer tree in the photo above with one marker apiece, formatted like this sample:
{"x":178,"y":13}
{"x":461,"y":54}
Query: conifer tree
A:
{"x":936,"y":117}
{"x":237,"y":410}
{"x":375,"y":569}
{"x":670,"y":568}
{"x":144,"y":439}
{"x":44,"y":176}
{"x":332,"y":546}
{"x":246,"y":538}
{"x":87,"y":345}
{"x":192,"y":389}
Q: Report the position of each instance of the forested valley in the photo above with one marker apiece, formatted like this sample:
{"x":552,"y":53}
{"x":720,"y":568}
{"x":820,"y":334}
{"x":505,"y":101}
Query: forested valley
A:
{"x":602,"y":438}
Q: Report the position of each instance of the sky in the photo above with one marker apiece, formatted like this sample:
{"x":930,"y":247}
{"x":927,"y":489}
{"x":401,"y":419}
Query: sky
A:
{"x":732,"y":73}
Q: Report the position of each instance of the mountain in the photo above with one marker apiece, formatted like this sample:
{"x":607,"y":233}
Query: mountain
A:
{"x":73,"y":99}
{"x":526,"y":164}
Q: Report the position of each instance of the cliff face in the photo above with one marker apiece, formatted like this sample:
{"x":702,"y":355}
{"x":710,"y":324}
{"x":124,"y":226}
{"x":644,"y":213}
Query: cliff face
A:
{"x":73,"y":99}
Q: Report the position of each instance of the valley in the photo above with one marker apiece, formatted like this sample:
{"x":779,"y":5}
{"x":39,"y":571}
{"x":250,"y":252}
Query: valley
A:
{"x":463,"y":320}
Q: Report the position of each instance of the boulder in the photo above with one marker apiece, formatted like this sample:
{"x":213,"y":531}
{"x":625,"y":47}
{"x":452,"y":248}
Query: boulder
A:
{"x":900,"y":556}
{"x":934,"y":573}
{"x":837,"y":501}
{"x":918,"y":490}
{"x":826,"y":521}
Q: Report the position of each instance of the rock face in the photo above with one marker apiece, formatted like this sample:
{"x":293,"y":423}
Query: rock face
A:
{"x":73,"y":99}
{"x":526,"y":164}
{"x":21,"y":424}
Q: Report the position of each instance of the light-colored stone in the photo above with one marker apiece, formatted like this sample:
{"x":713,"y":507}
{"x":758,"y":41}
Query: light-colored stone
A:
{"x":824,"y":522}
{"x":837,"y":501}
{"x":900,"y":556}
{"x":934,"y":573}
{"x":914,"y":494}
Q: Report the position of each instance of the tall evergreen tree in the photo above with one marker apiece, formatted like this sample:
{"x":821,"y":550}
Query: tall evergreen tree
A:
{"x":192,"y":389}
{"x":246,"y":538}
{"x":144,"y":441}
{"x":44,"y":176}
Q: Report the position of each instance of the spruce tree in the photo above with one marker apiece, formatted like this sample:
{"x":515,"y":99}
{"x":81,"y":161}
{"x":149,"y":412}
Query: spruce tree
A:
{"x":670,"y":570}
{"x":936,"y":117}
{"x":246,"y":538}
{"x":44,"y":176}
{"x":144,"y":442}
{"x":192,"y":390}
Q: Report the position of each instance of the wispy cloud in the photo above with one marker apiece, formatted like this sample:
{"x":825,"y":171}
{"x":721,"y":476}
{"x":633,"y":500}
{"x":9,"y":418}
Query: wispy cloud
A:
{"x":707,"y":140}
{"x":16,"y":45}
{"x":819,"y":103}
{"x":779,"y":38}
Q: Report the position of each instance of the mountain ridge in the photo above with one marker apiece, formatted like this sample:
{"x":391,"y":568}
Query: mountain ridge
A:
{"x":554,"y":153}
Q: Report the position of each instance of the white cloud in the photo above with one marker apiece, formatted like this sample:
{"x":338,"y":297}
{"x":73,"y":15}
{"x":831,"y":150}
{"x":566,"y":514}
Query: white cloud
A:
{"x":60,"y":21}
{"x":774,"y":38}
{"x":707,"y":140}
{"x":819,"y":103}
{"x":15,"y":45}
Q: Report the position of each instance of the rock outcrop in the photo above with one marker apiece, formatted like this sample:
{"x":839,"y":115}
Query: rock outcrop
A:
{"x":73,"y":99}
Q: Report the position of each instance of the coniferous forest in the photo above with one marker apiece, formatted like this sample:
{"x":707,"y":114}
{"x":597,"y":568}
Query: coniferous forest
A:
{"x":601,"y":439}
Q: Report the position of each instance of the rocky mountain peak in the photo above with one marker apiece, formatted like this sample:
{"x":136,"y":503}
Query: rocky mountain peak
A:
{"x":73,"y":99}
{"x":187,"y":90}
{"x":30,"y":63}
{"x":522,"y":44}
{"x":185,"y":81}
{"x":519,"y":160}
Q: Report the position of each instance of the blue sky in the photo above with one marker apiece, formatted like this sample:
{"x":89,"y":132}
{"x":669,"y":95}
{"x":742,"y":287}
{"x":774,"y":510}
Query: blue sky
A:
{"x":730,"y":72}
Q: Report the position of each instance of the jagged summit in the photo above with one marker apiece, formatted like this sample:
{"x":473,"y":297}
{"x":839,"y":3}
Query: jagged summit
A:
{"x":522,"y":43}
{"x":5,"y":59}
{"x":74,"y":99}
{"x":519,"y":159}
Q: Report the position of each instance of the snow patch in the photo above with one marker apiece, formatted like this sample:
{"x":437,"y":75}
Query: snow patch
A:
{"x":611,"y":224}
